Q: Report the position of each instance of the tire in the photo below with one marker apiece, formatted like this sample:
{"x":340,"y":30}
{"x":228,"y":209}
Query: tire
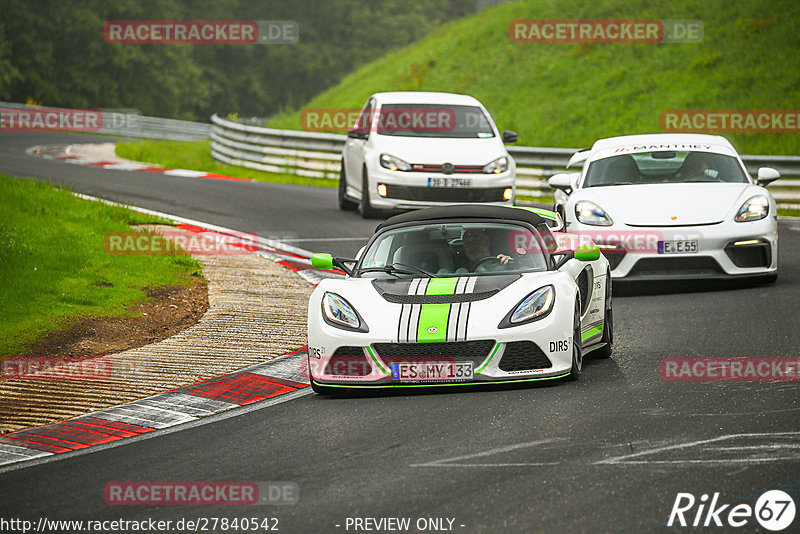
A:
{"x":577,"y":352}
{"x":344,"y":203}
{"x":364,"y":207}
{"x":608,"y":326}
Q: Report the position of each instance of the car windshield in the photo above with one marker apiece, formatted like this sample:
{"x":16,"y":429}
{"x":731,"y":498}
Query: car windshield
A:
{"x":454,"y":249}
{"x":433,"y":120}
{"x":664,"y":167}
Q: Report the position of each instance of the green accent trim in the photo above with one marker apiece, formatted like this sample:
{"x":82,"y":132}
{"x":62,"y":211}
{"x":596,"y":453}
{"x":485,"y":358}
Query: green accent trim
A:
{"x":496,"y":346}
{"x":433,"y":316}
{"x":547,"y":214}
{"x":383,"y":370}
{"x":322,"y":261}
{"x":441,"y":286}
{"x":592,"y":332}
{"x":401,"y":385}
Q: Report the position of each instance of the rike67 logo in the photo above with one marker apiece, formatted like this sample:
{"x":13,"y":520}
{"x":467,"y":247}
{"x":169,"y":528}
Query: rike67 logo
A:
{"x":774,"y":510}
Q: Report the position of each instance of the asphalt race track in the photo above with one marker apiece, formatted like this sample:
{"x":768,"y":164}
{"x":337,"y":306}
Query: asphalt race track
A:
{"x":609,"y":453}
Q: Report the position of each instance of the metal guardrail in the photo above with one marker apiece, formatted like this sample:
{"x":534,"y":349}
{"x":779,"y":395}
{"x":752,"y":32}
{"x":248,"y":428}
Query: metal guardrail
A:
{"x":132,"y":125}
{"x":319,"y":154}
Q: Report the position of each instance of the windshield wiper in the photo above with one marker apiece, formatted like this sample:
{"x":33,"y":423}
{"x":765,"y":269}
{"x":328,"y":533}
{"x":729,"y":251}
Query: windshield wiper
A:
{"x":611,"y":183}
{"x":394,"y":268}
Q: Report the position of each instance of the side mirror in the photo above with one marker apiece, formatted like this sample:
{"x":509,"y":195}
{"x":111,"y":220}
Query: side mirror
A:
{"x":322,"y":261}
{"x":767,"y":175}
{"x":509,"y":136}
{"x":565,"y":181}
{"x":326,"y":262}
{"x":587,"y":253}
{"x":357,"y":133}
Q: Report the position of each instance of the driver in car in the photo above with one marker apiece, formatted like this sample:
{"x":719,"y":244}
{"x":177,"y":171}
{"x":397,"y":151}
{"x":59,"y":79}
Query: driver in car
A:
{"x":477,"y":253}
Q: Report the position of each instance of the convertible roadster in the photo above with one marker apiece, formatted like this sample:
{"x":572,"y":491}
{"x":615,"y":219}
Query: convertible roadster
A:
{"x":459,"y":295}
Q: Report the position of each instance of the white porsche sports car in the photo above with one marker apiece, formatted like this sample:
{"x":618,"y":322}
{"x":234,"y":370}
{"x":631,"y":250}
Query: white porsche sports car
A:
{"x":461,"y":294}
{"x":672,"y":206}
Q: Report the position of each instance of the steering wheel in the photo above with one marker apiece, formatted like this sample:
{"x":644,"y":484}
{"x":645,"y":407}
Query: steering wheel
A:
{"x":484,"y":260}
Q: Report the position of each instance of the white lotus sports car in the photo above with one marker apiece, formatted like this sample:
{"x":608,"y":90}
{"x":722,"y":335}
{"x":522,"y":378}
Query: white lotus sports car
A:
{"x":463,"y":294}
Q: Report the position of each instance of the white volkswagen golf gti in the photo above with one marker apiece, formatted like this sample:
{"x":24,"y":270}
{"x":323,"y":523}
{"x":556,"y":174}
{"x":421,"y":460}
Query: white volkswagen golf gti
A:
{"x":418,"y":149}
{"x":672,"y":206}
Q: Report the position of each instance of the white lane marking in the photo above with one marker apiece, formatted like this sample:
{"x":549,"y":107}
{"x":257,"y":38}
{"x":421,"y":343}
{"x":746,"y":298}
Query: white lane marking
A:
{"x":185,"y":173}
{"x":447,"y":462}
{"x":628,"y":458}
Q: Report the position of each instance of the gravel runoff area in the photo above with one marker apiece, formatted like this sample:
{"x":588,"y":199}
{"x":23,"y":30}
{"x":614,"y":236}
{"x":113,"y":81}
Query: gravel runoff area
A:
{"x":257,"y":311}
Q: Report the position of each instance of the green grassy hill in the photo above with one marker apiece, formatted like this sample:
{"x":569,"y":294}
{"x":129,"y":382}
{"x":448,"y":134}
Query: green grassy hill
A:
{"x":571,"y":94}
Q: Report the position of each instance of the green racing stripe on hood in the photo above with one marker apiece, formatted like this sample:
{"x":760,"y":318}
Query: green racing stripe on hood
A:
{"x":441,"y":286}
{"x":432,"y":326}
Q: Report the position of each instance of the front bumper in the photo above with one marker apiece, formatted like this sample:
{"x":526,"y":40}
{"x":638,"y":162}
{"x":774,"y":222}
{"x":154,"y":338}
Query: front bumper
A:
{"x":411,"y":190}
{"x":533,"y":351}
{"x":725,"y":250}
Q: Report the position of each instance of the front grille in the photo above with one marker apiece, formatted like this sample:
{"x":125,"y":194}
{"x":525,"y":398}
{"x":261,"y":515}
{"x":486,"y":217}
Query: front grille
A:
{"x":457,"y":169}
{"x":348,"y":361}
{"x":756,"y":255}
{"x":523,"y":356}
{"x":457,"y":351}
{"x":438,"y":299}
{"x":702,"y":265}
{"x":444,"y":194}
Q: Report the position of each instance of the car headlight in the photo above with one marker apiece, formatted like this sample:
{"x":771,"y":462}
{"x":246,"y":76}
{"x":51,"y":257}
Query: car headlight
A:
{"x":393,"y":164}
{"x":590,"y":213}
{"x":753,"y":209}
{"x":536,"y":305}
{"x":339,"y":312}
{"x":497,"y":166}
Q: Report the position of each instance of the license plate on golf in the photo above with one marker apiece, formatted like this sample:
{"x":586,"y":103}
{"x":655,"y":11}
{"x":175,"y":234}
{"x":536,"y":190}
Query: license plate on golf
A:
{"x":450,"y":182}
{"x":432,"y":371}
{"x":677,"y":247}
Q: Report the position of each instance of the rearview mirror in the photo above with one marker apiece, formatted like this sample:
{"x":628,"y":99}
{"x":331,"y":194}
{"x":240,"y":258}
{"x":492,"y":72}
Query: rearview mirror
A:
{"x":767,"y":175}
{"x":587,"y":253}
{"x":356,"y":133}
{"x":509,"y":136}
{"x":564,"y":181}
{"x":322,"y":261}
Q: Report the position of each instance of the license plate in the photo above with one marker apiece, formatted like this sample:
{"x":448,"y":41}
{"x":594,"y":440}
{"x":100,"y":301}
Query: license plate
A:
{"x":677,"y":247}
{"x":449,"y":182}
{"x":431,"y":372}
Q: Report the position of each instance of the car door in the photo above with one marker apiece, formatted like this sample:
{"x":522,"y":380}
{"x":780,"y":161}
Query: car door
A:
{"x":354,"y":149}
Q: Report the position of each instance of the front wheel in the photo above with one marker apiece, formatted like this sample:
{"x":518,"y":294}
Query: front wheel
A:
{"x":344,"y":203}
{"x":577,"y":352}
{"x":364,"y":207}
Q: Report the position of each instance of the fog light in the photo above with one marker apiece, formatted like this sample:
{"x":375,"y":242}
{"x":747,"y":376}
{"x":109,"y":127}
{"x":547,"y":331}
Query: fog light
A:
{"x":748,"y":242}
{"x":382,"y":190}
{"x":508,"y":193}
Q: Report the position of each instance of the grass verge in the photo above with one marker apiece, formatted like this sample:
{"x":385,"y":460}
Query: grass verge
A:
{"x":54,"y":269}
{"x":196,"y":156}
